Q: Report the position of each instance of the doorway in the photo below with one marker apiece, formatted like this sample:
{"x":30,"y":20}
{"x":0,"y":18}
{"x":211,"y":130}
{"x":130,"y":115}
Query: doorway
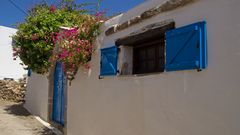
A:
{"x":59,"y":96}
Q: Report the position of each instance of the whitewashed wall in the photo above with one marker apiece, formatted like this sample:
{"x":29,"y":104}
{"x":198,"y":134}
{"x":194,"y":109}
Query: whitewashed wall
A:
{"x":37,"y":95}
{"x":173,"y":103}
{"x":8,"y":67}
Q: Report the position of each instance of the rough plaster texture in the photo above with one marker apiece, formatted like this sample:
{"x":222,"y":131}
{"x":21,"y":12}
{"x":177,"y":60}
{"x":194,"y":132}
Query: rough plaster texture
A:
{"x":167,"y":5}
{"x":8,"y":67}
{"x":37,"y":95}
{"x":171,"y":103}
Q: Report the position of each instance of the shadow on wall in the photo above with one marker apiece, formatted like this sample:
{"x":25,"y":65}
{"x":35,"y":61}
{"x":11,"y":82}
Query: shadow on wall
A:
{"x":17,"y":109}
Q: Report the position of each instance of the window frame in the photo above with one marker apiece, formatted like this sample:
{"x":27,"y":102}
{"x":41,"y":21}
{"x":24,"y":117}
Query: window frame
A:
{"x":151,"y":32}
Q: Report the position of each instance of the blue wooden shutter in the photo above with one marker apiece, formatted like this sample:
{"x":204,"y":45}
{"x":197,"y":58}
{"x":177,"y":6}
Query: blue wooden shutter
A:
{"x":186,"y":47}
{"x":108,"y":65}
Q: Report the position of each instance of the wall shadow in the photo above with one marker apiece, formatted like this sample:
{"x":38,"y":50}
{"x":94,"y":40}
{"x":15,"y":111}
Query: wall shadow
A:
{"x":17,"y":109}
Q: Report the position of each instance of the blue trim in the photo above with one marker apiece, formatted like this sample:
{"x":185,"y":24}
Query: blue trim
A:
{"x":29,"y":73}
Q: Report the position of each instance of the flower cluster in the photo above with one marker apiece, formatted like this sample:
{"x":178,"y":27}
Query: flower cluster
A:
{"x":41,"y":41}
{"x":52,"y":9}
{"x":72,"y":51}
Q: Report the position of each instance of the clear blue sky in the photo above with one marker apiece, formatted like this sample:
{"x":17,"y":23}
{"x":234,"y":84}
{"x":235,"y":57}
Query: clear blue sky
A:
{"x":10,"y":15}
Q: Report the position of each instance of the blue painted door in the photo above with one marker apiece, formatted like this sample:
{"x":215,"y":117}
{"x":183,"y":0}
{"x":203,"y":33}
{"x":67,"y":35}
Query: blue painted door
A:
{"x":59,"y":95}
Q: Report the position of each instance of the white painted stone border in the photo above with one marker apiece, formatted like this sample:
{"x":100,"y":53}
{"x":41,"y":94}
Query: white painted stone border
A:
{"x":49,"y":126}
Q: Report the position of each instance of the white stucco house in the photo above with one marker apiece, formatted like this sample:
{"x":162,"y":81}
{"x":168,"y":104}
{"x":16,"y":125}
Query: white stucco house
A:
{"x":165,"y":67}
{"x":9,"y":68}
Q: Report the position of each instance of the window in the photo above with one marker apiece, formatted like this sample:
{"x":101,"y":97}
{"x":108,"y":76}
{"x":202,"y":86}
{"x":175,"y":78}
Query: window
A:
{"x":149,"y":57}
{"x":144,"y":50}
{"x":157,"y":48}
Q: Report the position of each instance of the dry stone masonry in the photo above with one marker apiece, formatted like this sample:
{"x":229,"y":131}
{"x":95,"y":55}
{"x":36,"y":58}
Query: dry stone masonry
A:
{"x":11,"y":90}
{"x":164,"y":7}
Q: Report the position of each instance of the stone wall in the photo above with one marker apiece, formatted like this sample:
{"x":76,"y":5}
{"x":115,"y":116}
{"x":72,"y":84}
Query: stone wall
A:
{"x":11,"y":90}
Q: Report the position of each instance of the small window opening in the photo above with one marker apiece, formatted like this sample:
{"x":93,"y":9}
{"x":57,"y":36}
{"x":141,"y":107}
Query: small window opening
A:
{"x":143,"y":51}
{"x":149,"y":57}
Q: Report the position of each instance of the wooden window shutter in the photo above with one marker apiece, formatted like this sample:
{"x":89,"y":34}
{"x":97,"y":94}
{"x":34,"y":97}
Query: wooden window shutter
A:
{"x":108,"y":65}
{"x":186,"y":47}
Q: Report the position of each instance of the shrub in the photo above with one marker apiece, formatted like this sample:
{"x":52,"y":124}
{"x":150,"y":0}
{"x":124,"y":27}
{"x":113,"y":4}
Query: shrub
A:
{"x":40,"y":42}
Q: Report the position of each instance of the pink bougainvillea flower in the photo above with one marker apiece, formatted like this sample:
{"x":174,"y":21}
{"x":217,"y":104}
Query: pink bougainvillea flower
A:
{"x":35,"y":37}
{"x":70,"y":54}
{"x":15,"y":54}
{"x":78,"y":50}
{"x":73,"y":66}
{"x":73,"y":31}
{"x":64,"y":54}
{"x":52,"y":8}
{"x":99,"y":14}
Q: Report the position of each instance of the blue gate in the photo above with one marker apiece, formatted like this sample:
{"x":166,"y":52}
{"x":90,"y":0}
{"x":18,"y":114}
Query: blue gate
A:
{"x":59,"y":95}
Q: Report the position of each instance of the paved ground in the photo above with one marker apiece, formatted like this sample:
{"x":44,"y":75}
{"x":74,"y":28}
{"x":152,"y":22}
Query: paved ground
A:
{"x":15,"y":120}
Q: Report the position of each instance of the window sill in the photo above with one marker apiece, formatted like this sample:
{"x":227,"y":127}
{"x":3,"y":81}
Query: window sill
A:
{"x":140,"y":75}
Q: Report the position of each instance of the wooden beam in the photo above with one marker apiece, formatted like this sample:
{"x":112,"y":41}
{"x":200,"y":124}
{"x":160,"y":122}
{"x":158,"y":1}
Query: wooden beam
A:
{"x":153,"y":31}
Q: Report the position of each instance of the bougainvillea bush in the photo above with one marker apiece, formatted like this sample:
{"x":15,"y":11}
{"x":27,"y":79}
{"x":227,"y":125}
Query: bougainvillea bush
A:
{"x":41,"y":41}
{"x":72,"y":51}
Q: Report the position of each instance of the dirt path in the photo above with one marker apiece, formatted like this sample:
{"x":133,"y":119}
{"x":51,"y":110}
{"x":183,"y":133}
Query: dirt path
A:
{"x":15,"y":120}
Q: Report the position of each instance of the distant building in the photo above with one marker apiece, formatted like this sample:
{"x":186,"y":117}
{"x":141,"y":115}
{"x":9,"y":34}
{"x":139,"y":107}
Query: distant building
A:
{"x":8,"y":67}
